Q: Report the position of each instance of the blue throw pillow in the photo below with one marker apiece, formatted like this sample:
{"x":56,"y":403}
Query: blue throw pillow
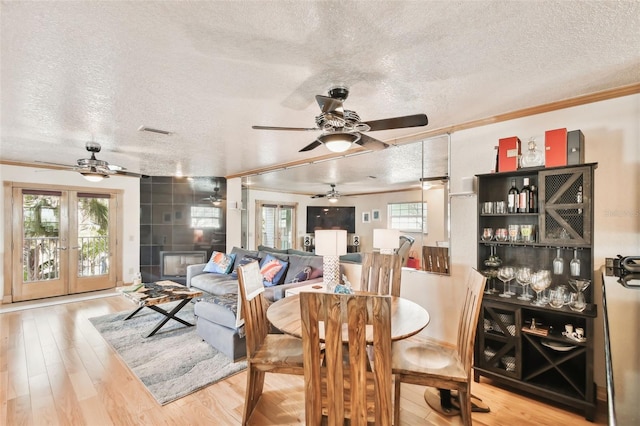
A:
{"x":245,"y":260}
{"x":272,"y":270}
{"x":303,"y":275}
{"x":220,"y":263}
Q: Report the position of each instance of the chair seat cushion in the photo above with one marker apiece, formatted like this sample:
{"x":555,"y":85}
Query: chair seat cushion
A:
{"x":428,"y":358}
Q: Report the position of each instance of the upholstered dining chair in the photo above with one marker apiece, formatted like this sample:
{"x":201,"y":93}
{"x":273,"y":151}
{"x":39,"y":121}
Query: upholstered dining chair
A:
{"x":381,"y":273}
{"x":430,"y":363}
{"x":274,"y":353}
{"x":353,"y":381}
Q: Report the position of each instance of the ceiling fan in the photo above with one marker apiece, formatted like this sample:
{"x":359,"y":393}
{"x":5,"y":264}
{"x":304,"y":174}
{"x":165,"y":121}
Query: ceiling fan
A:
{"x":341,"y":128}
{"x":332,"y":195}
{"x":95,"y":170}
{"x":215,"y":198}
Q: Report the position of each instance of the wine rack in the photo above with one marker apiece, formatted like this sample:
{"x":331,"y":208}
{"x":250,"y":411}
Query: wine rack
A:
{"x":543,"y":361}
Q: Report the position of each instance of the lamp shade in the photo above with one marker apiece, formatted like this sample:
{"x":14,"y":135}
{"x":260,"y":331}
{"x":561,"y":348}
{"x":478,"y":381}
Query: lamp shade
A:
{"x":331,"y":242}
{"x":386,"y":239}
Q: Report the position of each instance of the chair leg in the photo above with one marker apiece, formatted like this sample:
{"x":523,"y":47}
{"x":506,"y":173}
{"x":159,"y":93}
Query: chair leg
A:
{"x":255,"y":384}
{"x":464,"y":398}
{"x":396,"y":401}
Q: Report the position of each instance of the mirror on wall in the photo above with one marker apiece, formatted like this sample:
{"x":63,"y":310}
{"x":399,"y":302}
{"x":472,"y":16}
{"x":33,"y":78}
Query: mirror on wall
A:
{"x":411,"y":175}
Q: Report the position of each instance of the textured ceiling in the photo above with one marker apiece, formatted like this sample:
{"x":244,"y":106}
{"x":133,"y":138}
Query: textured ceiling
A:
{"x":206,"y":71}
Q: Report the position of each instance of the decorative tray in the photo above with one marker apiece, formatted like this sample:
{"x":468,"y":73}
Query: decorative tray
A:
{"x":557,"y":346}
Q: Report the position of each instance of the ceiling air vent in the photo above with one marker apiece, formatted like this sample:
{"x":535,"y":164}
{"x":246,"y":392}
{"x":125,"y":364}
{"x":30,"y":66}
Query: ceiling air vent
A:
{"x":152,"y":130}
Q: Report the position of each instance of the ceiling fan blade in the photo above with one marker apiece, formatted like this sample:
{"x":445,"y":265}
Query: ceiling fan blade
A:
{"x":311,"y":146}
{"x":398,"y":122}
{"x":371,"y":143}
{"x":132,"y":174}
{"x":307,"y":129}
{"x":328,"y":104}
{"x":54,"y":164}
{"x":319,"y":196}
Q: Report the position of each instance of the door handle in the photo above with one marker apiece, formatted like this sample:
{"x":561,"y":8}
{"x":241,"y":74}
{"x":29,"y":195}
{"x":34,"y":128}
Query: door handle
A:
{"x":62,"y":248}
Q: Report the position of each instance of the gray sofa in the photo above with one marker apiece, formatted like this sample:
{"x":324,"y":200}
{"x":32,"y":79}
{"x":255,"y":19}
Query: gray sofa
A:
{"x":216,"y":311}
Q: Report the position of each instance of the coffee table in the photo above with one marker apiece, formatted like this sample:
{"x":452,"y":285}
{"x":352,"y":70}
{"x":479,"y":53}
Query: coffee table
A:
{"x":150,"y":295}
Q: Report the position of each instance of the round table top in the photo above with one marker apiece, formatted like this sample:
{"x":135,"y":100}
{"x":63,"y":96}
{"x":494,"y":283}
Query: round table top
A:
{"x":407,"y":317}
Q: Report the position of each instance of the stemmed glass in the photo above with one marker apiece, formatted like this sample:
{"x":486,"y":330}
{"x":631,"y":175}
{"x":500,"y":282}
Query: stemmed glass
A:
{"x":558,"y":263}
{"x":506,"y":274}
{"x":578,"y":301}
{"x":574,"y":265}
{"x":539,"y":282}
{"x":523,"y":277}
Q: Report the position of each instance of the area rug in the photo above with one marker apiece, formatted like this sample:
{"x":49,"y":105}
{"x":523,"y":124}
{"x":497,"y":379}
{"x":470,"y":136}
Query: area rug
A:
{"x":171,"y":364}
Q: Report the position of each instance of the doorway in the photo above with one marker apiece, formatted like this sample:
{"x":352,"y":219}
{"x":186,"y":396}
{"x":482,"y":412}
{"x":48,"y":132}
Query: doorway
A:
{"x":63,"y":241}
{"x":276,"y":224}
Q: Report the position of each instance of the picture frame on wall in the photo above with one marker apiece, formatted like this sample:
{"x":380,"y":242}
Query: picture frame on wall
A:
{"x":375,"y":215}
{"x":366,"y":217}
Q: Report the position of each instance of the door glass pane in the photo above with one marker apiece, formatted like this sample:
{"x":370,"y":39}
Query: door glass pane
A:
{"x":285,"y":227}
{"x":93,"y":235}
{"x":41,"y":236}
{"x":269,"y":225}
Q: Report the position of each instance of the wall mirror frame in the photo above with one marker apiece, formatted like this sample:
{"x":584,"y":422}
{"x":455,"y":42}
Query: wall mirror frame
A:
{"x":370,"y":181}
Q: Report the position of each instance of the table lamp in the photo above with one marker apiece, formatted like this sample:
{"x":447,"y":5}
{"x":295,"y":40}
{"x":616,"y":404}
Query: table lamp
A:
{"x":330,"y":244}
{"x":387,"y":240}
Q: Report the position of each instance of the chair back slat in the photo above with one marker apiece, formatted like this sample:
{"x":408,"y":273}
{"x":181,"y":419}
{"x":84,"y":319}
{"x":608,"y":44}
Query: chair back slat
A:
{"x":253,"y":306}
{"x":351,"y":385}
{"x":469,"y":317}
{"x":381,"y":274}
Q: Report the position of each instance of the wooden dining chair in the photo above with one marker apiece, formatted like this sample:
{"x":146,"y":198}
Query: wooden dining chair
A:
{"x":274,"y":353}
{"x":353,"y":381}
{"x":442,"y":366}
{"x":381,"y":274}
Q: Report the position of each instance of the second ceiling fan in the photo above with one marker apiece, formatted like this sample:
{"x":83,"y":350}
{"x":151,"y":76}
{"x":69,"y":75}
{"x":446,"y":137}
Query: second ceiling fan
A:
{"x":332,"y":195}
{"x":341,"y":128}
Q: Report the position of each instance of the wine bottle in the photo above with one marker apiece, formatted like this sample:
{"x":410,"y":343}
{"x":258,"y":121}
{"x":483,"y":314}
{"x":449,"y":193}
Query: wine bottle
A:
{"x":525,"y":192}
{"x":533,"y":200}
{"x":513,"y":198}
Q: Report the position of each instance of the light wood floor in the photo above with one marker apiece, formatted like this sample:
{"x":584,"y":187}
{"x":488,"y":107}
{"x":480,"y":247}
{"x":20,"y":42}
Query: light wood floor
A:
{"x":55,"y":369}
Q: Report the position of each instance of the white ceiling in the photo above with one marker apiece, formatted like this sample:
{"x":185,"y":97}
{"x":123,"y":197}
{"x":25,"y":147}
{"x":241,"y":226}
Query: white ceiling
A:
{"x":207,"y":71}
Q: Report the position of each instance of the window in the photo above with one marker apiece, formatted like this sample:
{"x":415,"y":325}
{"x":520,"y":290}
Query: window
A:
{"x":206,"y":217}
{"x":408,"y":217}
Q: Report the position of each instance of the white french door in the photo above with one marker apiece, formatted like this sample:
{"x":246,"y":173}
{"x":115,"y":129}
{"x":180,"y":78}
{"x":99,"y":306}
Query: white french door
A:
{"x":276,"y":225}
{"x":63,"y":242}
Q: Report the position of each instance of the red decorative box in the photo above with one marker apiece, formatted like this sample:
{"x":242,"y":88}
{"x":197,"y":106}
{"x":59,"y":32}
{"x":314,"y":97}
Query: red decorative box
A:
{"x":508,"y":154}
{"x":555,"y":148}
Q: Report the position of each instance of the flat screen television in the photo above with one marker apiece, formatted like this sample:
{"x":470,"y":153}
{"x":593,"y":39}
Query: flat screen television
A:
{"x":331,"y":218}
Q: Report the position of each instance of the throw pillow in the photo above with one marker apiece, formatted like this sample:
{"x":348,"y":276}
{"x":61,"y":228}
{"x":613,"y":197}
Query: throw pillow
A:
{"x":272,"y":270}
{"x":220,"y":263}
{"x":303,"y":275}
{"x":245,"y":260}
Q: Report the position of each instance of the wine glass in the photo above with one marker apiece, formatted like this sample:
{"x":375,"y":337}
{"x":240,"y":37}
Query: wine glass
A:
{"x":523,"y":277}
{"x":574,"y":265}
{"x":578,"y":301}
{"x":487,"y":234}
{"x":558,"y":263}
{"x":506,"y":274}
{"x":491,"y":275}
{"x":539,"y":282}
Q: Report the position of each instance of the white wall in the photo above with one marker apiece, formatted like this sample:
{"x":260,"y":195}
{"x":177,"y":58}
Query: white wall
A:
{"x":612,"y":139}
{"x":131,"y":198}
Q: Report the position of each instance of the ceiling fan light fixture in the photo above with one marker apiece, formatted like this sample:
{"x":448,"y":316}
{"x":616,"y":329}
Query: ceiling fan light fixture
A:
{"x":339,"y":141}
{"x":93,"y":176}
{"x":332,"y":199}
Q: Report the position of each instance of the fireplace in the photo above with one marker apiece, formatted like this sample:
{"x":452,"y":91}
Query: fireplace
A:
{"x":173,"y":264}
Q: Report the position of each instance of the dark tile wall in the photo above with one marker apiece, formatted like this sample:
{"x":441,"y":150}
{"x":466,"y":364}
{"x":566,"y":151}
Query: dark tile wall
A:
{"x":165,"y":219}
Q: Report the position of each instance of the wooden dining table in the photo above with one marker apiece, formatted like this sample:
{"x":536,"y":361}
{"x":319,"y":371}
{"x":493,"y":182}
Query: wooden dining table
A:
{"x":407,"y":317}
